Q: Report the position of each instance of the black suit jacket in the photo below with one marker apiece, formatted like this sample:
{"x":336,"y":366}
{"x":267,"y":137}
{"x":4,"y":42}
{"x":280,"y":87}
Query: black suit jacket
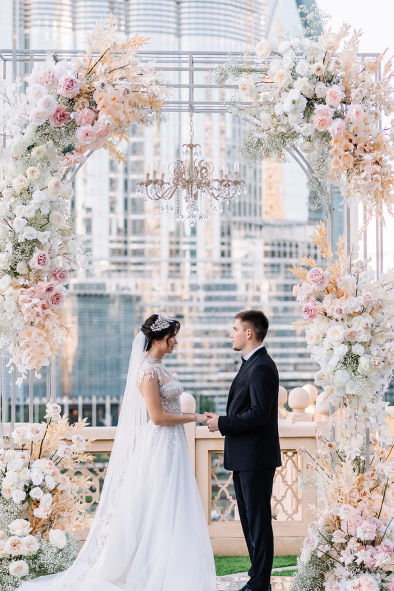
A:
{"x":251,"y":424}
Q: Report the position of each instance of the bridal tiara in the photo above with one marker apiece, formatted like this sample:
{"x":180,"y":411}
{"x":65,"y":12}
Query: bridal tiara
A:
{"x":161,"y":323}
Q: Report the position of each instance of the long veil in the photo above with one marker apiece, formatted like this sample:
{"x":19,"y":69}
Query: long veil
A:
{"x":98,"y":554}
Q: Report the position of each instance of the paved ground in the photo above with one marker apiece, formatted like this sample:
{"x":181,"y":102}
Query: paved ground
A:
{"x":235,"y":582}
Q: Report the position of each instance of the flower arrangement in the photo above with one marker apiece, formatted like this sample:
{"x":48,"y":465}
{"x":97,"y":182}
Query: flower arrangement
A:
{"x":350,"y":547}
{"x":314,"y":95}
{"x":349,"y":322}
{"x":69,"y":110}
{"x":40,"y":500}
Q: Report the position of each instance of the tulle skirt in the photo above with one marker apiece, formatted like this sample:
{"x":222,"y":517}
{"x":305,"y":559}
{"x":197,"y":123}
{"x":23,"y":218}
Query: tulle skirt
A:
{"x":160,"y":540}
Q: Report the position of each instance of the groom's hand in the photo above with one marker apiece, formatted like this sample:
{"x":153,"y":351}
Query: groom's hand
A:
{"x":212,"y":421}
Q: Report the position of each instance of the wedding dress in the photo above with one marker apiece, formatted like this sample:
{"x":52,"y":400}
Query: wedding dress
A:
{"x":149,"y":531}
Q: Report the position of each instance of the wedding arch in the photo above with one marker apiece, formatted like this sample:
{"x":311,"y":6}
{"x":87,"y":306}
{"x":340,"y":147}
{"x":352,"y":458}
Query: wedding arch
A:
{"x":359,"y":452}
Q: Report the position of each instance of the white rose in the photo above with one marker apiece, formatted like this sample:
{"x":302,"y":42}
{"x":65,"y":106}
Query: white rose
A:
{"x":302,"y":68}
{"x":50,"y":482}
{"x":18,"y":496}
{"x":36,"y":476}
{"x":318,"y":68}
{"x":39,"y":152}
{"x":320,"y":90}
{"x":56,"y":218}
{"x":20,"y":182}
{"x":47,"y":103}
{"x":43,"y":237}
{"x":284,"y":46}
{"x":54,"y":185}
{"x":18,"y":568}
{"x":38,"y":116}
{"x":36,"y":493}
{"x":35,"y":92}
{"x":10,"y":480}
{"x":57,"y":538}
{"x":35,"y":432}
{"x":29,"y":233}
{"x":64,"y":451}
{"x":4,"y":261}
{"x":24,"y":476}
{"x":19,"y":224}
{"x":30,"y":211}
{"x":282,"y":78}
{"x":15,"y":464}
{"x":263,"y":49}
{"x":20,"y":527}
{"x":22,"y":268}
{"x":266,"y":120}
{"x":335,"y":335}
{"x":32,"y":545}
{"x":15,"y":546}
{"x":79,"y":442}
{"x":364,"y":365}
{"x":33,"y":173}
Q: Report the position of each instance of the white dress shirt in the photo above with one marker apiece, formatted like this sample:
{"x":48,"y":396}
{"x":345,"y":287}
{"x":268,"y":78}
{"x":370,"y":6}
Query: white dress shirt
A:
{"x":249,"y":355}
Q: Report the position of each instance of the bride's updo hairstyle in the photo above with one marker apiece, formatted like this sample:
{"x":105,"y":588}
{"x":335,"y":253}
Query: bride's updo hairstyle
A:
{"x":156,"y":327}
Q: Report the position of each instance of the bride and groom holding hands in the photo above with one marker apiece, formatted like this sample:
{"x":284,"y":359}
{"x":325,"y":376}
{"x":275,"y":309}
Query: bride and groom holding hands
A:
{"x":149,"y":532}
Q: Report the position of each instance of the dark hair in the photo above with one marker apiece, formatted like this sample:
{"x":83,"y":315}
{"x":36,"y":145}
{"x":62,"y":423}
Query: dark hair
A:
{"x":256,"y":320}
{"x":157,"y":335}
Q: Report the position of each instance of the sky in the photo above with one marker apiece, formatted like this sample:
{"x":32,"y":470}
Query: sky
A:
{"x":375,"y":18}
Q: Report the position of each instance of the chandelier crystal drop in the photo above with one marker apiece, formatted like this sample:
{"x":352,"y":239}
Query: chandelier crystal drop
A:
{"x":191,"y":185}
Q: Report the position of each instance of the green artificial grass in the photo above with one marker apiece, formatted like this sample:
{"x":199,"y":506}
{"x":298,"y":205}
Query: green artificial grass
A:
{"x":228,"y":565}
{"x":285,"y":573}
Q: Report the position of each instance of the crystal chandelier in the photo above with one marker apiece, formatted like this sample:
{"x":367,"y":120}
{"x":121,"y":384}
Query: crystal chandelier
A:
{"x":191,"y":184}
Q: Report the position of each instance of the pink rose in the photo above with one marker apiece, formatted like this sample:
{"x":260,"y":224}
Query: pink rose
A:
{"x":40,"y":260}
{"x":68,"y":86}
{"x":86,"y":135}
{"x":60,"y":274}
{"x":73,"y":158}
{"x":355,"y":113}
{"x":57,"y":298}
{"x":85,"y":117}
{"x":337,"y":128}
{"x":322,"y":118}
{"x":59,"y":116}
{"x":317,"y":276}
{"x":48,"y":77}
{"x":45,"y":288}
{"x":338,"y":312}
{"x":334,"y":96}
{"x":309,"y":310}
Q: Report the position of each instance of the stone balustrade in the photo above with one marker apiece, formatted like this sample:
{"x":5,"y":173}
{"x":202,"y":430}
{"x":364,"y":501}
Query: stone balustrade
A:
{"x":291,"y":509}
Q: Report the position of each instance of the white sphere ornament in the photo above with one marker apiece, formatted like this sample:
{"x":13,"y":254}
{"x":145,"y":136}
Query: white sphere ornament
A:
{"x":299,"y":399}
{"x":312,"y":391}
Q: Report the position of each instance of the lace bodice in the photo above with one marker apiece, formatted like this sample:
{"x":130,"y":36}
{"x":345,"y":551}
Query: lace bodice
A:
{"x":170,"y":389}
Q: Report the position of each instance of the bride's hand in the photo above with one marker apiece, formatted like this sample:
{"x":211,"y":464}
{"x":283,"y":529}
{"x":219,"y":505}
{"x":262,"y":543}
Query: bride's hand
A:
{"x":200,"y":418}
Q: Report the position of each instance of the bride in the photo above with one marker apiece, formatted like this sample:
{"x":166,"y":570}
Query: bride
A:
{"x":149,"y":532}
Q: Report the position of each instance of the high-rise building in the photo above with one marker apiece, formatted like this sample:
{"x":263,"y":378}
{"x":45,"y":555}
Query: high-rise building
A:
{"x":144,"y":262}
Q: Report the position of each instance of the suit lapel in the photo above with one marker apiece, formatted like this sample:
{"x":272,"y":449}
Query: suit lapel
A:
{"x":242,"y":370}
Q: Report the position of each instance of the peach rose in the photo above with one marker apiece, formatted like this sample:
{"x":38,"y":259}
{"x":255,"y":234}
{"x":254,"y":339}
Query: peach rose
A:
{"x":355,"y":113}
{"x":334,"y":96}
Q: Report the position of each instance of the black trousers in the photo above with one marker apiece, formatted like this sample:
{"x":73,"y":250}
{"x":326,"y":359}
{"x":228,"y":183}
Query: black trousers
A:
{"x":253,"y":489}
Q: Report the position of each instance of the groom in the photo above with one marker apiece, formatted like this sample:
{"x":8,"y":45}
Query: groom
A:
{"x":251,"y":448}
